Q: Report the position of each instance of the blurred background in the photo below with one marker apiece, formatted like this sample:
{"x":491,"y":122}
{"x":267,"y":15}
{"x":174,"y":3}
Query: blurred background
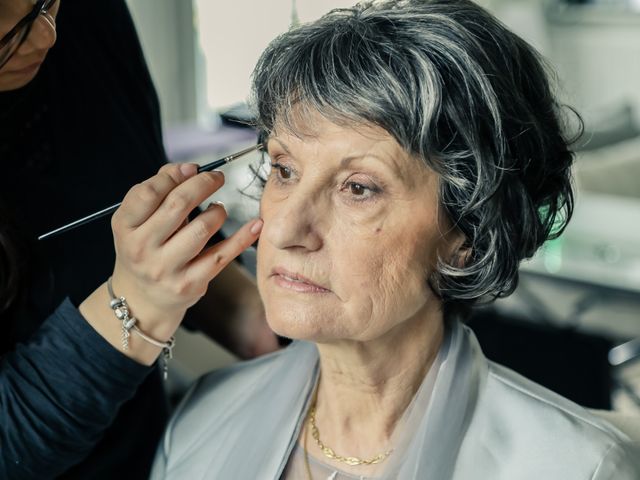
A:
{"x":578,"y":302}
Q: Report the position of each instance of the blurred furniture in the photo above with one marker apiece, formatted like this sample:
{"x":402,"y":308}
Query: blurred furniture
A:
{"x":599,"y":248}
{"x":189,"y":141}
{"x":608,"y":154}
{"x":612,"y":170}
{"x":568,"y":362}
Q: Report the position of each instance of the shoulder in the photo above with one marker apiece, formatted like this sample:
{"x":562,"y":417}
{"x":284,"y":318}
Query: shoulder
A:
{"x":540,"y":431}
{"x":226,"y":407}
{"x":222,"y":387}
{"x":224,"y":382}
{"x":513,"y":393}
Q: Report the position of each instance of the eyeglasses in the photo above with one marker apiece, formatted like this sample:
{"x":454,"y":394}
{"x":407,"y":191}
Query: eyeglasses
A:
{"x":10,"y":43}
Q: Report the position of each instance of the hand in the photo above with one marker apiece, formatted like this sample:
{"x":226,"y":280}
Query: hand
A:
{"x":161,"y":267}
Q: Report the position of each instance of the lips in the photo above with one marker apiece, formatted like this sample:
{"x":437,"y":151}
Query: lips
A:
{"x":296,"y":282}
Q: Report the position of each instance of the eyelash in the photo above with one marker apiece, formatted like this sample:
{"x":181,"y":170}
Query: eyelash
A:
{"x":279,"y":168}
{"x":372,"y":190}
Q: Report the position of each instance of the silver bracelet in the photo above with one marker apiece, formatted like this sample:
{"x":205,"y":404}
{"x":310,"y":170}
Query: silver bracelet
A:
{"x":121,"y":309}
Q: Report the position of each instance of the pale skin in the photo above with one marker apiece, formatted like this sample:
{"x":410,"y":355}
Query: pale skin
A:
{"x":160,"y":267}
{"x":352,"y":230}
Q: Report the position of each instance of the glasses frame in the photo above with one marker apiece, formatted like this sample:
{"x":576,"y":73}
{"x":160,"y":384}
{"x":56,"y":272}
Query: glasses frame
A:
{"x":41,"y":7}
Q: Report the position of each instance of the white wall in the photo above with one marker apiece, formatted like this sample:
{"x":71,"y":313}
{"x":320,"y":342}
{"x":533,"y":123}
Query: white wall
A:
{"x":598,"y":56}
{"x":165,"y":28}
{"x":596,"y":51}
{"x":232,"y":35}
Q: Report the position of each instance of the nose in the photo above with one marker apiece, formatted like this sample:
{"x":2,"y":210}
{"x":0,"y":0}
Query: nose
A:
{"x":294,"y":223}
{"x":41,"y":37}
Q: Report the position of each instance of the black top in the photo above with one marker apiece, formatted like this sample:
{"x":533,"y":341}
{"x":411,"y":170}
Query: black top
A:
{"x":67,"y":378}
{"x":74,"y":141}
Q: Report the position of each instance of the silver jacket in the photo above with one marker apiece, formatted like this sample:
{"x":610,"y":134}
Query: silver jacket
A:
{"x":480,"y":421}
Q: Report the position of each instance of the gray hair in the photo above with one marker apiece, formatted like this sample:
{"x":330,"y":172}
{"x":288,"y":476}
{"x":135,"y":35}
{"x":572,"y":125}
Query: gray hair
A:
{"x":456,"y":88}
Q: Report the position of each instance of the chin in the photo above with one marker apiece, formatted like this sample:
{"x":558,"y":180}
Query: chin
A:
{"x":298,"y":325}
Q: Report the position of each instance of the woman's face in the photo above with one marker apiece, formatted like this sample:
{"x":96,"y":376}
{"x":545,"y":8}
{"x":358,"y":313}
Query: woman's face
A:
{"x":351,"y":234}
{"x":23,"y":66}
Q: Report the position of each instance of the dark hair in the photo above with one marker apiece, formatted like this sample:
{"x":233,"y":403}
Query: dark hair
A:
{"x":456,"y":88}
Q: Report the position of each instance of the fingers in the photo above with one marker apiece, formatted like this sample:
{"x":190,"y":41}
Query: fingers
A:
{"x":145,"y":198}
{"x":189,"y":241}
{"x":213,"y":260}
{"x":177,"y":205}
{"x":159,"y":255}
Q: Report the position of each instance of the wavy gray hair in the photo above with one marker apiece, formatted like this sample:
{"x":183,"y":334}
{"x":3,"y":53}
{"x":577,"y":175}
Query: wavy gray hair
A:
{"x":456,"y":88}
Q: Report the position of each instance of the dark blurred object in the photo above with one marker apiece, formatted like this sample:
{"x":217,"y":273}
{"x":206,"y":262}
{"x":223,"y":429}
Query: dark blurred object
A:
{"x":238,"y":115}
{"x":569,"y":363}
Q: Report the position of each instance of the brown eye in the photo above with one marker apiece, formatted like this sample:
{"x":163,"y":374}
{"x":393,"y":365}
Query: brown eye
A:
{"x":285,"y":172}
{"x":357,"y":189}
{"x":360,"y":192}
{"x":280,"y":172}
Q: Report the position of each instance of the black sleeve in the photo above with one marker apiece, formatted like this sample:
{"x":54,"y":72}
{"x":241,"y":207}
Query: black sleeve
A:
{"x":58,"y":393}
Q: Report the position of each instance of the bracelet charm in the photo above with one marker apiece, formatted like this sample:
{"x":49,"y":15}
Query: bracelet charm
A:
{"x":121,"y":310}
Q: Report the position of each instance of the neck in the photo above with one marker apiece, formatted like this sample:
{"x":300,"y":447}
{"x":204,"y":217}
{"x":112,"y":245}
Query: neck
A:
{"x":365,"y":387}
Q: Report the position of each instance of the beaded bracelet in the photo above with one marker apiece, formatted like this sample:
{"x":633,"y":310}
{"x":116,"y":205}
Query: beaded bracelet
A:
{"x":121,"y":310}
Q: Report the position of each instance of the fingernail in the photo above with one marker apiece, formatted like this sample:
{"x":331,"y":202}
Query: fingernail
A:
{"x":188,"y":169}
{"x":216,"y":203}
{"x":257,"y":226}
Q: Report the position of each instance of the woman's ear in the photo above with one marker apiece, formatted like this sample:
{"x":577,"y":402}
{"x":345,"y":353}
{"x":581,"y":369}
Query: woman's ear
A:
{"x":455,"y":249}
{"x":458,"y":249}
{"x":461,"y":256}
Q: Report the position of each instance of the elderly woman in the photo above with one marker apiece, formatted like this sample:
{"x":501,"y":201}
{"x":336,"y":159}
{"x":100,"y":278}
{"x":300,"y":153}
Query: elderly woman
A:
{"x":417,"y":156}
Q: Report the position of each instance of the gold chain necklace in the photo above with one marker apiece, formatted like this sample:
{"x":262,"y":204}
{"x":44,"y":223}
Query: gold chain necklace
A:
{"x":330,"y":453}
{"x":306,"y":455}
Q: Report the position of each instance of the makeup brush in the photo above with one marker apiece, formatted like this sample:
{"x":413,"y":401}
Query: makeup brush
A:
{"x":94,"y":216}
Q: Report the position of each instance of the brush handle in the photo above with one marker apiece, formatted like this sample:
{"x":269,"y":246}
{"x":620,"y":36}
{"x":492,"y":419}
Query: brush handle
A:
{"x":81,"y":221}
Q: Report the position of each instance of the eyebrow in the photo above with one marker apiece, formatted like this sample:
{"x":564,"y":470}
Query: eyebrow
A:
{"x":344,"y":163}
{"x":284,"y":147}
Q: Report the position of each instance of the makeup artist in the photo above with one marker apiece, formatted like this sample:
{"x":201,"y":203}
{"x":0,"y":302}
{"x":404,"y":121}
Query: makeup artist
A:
{"x":79,"y":126}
